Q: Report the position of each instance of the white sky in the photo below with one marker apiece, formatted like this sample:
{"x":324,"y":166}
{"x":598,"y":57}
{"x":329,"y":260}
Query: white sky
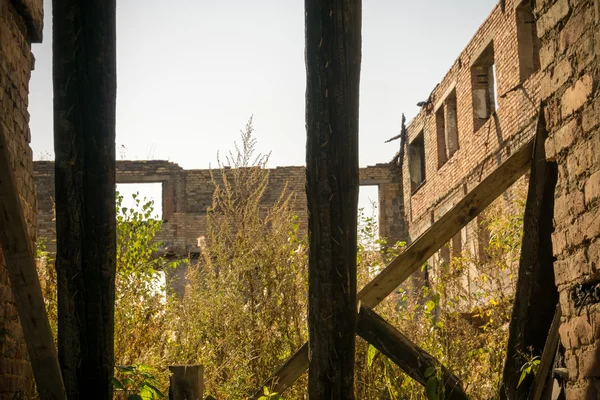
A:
{"x":191,"y":72}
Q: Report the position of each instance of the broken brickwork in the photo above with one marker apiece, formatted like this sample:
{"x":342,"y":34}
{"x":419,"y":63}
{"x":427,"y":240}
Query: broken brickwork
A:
{"x":20,"y":25}
{"x":483,"y":108}
{"x":570,"y":34}
{"x":187,"y":194}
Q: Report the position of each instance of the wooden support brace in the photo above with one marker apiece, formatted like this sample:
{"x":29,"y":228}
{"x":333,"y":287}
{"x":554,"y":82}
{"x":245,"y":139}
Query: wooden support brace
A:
{"x":409,"y":261}
{"x":413,"y":360}
{"x":543,"y":372}
{"x":25,"y":284}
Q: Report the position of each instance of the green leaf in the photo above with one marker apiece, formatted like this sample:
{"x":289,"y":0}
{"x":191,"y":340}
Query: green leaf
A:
{"x":371,"y":352}
{"x":134,"y":397}
{"x":430,"y":305}
{"x":126,"y":369}
{"x":117,"y":384}
{"x":429,"y":372}
{"x":431,"y":389}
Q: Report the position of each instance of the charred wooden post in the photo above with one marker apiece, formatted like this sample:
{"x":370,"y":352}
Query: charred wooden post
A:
{"x":536,"y":295}
{"x":413,"y":360}
{"x":84,"y":75}
{"x":20,"y":264}
{"x":333,"y":57}
{"x":186,"y":383}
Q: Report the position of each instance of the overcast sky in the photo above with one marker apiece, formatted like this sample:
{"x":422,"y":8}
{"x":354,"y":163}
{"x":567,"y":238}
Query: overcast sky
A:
{"x":191,"y":72}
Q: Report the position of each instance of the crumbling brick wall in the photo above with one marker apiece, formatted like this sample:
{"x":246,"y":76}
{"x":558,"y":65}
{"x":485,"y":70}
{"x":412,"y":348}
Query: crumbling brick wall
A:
{"x":455,"y":165}
{"x":20,"y":25}
{"x":187,"y":194}
{"x":570,"y":33}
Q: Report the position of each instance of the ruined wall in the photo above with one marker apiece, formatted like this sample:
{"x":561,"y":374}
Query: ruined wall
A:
{"x":570,"y":33}
{"x":20,"y":24}
{"x":487,"y":124}
{"x":186,"y":195}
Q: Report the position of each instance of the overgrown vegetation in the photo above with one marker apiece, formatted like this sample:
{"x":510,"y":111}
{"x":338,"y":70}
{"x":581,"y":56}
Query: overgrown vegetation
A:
{"x":244,"y":308}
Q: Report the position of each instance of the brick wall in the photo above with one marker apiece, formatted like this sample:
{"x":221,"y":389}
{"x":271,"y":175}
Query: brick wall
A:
{"x":186,"y":195}
{"x":570,"y":33}
{"x":20,"y":24}
{"x":482,"y":143}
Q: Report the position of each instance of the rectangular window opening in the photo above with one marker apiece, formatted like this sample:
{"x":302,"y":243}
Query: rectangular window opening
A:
{"x":440,"y":124}
{"x":483,"y":81}
{"x":144,"y":194}
{"x":528,"y":41}
{"x":368,"y":204}
{"x":483,"y":239}
{"x":416,"y":162}
{"x":457,"y":245}
{"x":451,"y":124}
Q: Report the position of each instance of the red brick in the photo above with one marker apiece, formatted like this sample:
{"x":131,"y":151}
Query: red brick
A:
{"x":574,"y":29}
{"x":592,"y":187}
{"x":577,"y":95}
{"x":591,"y":116}
{"x":565,"y":136}
{"x":567,"y":271}
{"x":552,"y":17}
{"x":589,"y":362}
{"x":593,"y":256}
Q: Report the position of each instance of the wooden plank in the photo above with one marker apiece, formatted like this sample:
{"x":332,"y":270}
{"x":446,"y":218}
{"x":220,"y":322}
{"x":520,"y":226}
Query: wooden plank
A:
{"x":187,"y":382}
{"x":20,"y":264}
{"x":413,"y":360}
{"x":421,"y":249}
{"x":447,"y":226}
{"x":536,"y":294}
{"x":543,"y":372}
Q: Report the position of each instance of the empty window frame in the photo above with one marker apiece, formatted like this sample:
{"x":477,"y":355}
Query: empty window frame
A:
{"x":483,"y":81}
{"x":457,"y":245}
{"x":528,"y":41}
{"x":416,"y":162}
{"x":447,"y":129}
{"x":483,"y":239}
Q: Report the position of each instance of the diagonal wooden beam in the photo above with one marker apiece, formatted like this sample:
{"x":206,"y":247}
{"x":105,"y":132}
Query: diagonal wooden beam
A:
{"x":413,"y":360}
{"x":25,"y":284}
{"x":496,"y":183}
{"x":549,"y":353}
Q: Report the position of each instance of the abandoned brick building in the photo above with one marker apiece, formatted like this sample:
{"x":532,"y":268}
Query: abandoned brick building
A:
{"x":187,"y":194}
{"x":20,"y":25}
{"x":526,"y":53}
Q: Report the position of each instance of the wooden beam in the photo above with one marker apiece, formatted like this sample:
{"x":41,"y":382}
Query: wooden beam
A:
{"x":413,"y":360}
{"x":547,"y":360}
{"x":333,"y":57}
{"x":20,"y":264}
{"x":536,"y":295}
{"x":84,"y":75}
{"x":496,"y":183}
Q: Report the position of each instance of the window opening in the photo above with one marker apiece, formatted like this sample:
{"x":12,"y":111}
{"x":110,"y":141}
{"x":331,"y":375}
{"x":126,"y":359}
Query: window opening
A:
{"x":416,"y":160}
{"x":528,"y":41}
{"x":483,"y":81}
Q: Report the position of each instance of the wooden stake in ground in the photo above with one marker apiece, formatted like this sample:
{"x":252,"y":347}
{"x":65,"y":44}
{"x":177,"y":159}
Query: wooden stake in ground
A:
{"x":84,"y":74}
{"x":333,"y":56}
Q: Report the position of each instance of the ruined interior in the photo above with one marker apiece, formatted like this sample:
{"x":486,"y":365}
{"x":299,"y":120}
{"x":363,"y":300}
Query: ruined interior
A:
{"x":523,"y":98}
